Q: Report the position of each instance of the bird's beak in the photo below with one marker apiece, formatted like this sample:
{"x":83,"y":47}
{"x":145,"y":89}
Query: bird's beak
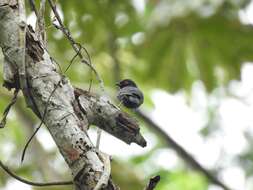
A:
{"x":117,"y":84}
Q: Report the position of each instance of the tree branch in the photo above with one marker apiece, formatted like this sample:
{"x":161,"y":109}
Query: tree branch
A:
{"x":7,"y":109}
{"x":41,"y":77}
{"x":75,"y":45}
{"x":153,"y":182}
{"x":180,"y":150}
{"x":66,"y":118}
{"x":102,"y":113}
{"x":38,"y":184}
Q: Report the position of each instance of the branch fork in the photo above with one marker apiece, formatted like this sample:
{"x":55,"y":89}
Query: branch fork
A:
{"x":69,"y":110}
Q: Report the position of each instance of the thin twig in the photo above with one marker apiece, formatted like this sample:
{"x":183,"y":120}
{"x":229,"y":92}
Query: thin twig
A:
{"x":74,"y":44}
{"x":99,"y":133}
{"x":113,"y":52}
{"x":29,"y":140}
{"x":39,"y":184}
{"x":33,"y":7}
{"x":45,"y":111}
{"x":7,"y":109}
{"x":90,"y":63}
{"x":41,"y":23}
{"x":180,"y":150}
{"x":42,"y":121}
{"x":153,"y":182}
{"x":72,"y":60}
{"x":37,"y":129}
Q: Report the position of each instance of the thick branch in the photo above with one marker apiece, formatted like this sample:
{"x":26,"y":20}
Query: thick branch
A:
{"x":42,"y":78}
{"x":50,"y":95}
{"x":102,"y":113}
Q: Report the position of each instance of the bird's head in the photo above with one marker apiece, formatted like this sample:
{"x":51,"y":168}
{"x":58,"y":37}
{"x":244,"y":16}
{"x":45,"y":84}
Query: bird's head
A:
{"x":126,"y":82}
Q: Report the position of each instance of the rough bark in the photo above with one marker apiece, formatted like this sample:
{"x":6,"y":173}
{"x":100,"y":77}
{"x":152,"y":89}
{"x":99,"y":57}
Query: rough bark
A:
{"x":101,"y":112}
{"x":51,"y":97}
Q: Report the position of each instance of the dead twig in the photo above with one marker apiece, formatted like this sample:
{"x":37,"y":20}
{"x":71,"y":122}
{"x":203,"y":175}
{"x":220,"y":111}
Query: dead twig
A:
{"x":153,"y":182}
{"x":7,"y":109}
{"x":67,"y":33}
{"x":75,"y":45}
{"x":42,"y":121}
{"x":39,"y":184}
{"x":40,"y":24}
{"x":33,"y":7}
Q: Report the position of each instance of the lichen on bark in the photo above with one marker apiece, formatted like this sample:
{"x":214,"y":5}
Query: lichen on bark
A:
{"x":65,"y":111}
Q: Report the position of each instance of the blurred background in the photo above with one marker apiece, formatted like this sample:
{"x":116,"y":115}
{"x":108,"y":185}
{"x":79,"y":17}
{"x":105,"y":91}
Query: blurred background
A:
{"x":192,"y":59}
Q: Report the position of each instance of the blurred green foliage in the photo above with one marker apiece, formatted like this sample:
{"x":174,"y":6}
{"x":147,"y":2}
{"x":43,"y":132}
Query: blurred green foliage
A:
{"x":167,"y":49}
{"x":181,"y":180}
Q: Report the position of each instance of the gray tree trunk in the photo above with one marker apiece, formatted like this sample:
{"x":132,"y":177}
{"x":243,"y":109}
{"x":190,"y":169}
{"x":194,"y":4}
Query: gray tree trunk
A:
{"x":66,"y":112}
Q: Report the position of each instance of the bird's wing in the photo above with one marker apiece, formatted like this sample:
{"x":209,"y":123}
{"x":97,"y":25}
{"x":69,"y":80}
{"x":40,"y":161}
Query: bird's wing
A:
{"x":131,"y":91}
{"x":134,"y":100}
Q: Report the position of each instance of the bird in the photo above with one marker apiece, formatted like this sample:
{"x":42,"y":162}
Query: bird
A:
{"x":129,"y":94}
